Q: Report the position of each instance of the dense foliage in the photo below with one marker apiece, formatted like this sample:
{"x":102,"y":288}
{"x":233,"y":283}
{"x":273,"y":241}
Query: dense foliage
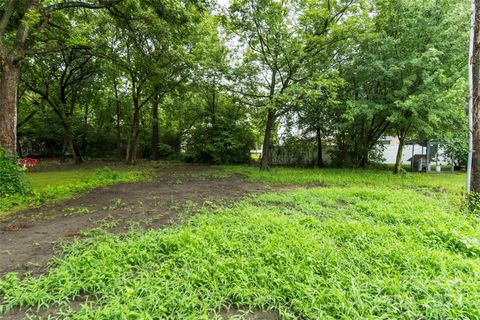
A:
{"x":12,"y":177}
{"x":121,"y":78}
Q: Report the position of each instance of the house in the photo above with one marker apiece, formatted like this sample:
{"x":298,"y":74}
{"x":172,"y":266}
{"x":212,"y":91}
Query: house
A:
{"x":432,"y":149}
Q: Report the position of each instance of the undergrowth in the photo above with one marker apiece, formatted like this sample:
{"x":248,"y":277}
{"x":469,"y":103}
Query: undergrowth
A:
{"x":342,"y":251}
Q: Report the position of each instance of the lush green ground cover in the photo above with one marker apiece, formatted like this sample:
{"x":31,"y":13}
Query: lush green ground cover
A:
{"x":364,"y":244}
{"x":55,"y":186}
{"x":453,"y":183}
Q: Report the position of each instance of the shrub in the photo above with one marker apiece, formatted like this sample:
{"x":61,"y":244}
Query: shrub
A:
{"x":165,"y":150}
{"x":473,"y":203}
{"x":12,"y":177}
{"x":106,"y":173}
{"x":226,"y":142}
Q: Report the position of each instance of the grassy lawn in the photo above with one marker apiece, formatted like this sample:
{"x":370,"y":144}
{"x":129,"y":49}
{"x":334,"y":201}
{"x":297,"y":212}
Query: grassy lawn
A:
{"x":348,"y":245}
{"x":45,"y":180}
{"x":54,"y":186}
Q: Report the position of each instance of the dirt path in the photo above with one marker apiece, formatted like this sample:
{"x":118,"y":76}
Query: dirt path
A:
{"x":27,"y":242}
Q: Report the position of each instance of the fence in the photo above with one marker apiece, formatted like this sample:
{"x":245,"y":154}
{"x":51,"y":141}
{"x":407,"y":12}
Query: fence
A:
{"x":296,"y":156}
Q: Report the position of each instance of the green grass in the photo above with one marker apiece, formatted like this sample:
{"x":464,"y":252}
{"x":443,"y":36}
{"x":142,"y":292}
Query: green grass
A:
{"x":55,"y":186}
{"x":44,"y":180}
{"x":353,"y":177}
{"x":366,"y":245}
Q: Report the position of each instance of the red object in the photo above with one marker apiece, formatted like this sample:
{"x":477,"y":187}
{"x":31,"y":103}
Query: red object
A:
{"x":28,"y":163}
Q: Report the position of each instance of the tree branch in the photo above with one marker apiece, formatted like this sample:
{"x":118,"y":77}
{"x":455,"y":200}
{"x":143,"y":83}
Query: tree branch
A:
{"x":5,"y":19}
{"x":78,"y":4}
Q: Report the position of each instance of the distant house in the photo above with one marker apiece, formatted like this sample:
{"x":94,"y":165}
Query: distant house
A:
{"x":412,"y":149}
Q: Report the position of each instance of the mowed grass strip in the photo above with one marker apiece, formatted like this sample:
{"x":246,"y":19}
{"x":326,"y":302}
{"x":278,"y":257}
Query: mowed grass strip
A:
{"x":342,"y":252}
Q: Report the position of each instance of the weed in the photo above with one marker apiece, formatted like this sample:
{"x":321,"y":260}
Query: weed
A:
{"x":116,"y":203}
{"x":77,"y":211}
{"x":361,"y":248}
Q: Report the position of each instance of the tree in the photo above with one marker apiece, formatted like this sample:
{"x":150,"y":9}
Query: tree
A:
{"x":403,"y":76}
{"x":315,"y":115}
{"x":279,"y":48}
{"x":59,"y":80}
{"x":150,"y":59}
{"x":428,"y":99}
{"x":24,"y":31}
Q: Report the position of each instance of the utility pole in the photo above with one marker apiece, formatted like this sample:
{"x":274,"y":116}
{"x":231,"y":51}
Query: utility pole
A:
{"x":473,"y":166}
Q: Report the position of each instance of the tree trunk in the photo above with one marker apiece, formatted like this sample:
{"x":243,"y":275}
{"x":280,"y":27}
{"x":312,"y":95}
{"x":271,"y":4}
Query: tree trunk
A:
{"x":475,"y":184}
{"x":85,"y":130}
{"x":364,"y":161}
{"x":266,"y":140}
{"x":132,"y":146}
{"x":9,"y":76}
{"x":154,"y":142}
{"x":117,"y":109}
{"x":77,"y":155}
{"x":64,"y":149}
{"x":398,"y":160}
{"x":320,"y":162}
{"x":69,"y":141}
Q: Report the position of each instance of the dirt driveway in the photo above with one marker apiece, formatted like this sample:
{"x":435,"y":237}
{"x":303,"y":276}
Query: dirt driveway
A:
{"x":28,"y":240}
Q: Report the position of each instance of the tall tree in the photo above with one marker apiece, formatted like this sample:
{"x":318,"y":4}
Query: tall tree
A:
{"x":60,"y":80}
{"x":24,"y":28}
{"x":279,"y":48}
{"x":402,"y":74}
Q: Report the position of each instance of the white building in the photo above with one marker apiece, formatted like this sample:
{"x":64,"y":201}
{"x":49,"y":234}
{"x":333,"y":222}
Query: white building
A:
{"x":391,"y":145}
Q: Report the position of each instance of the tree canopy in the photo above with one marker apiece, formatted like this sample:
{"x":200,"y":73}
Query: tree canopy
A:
{"x":209,"y":82}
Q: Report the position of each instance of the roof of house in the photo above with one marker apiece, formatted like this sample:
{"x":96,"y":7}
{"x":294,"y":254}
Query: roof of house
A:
{"x":417,"y":157}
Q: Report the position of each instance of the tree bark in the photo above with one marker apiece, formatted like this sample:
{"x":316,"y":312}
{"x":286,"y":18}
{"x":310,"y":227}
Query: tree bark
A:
{"x":9,"y":77}
{"x":266,"y":140}
{"x":154,"y":142}
{"x":69,"y":141}
{"x":64,"y":149}
{"x":475,"y":185}
{"x":132,"y":146}
{"x":320,"y":162}
{"x":85,"y":130}
{"x":398,"y":160}
{"x":117,"y":114}
{"x":77,"y":155}
{"x":364,"y":161}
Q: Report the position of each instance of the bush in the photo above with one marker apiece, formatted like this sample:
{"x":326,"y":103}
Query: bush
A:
{"x":227,"y":142}
{"x":473,"y":203}
{"x":165,"y":150}
{"x":12,"y":177}
{"x":106,"y":173}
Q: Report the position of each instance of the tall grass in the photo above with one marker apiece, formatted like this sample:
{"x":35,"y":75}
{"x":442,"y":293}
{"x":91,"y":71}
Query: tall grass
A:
{"x":360,"y":250}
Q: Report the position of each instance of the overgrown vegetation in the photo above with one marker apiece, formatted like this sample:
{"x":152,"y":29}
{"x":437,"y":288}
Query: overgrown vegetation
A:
{"x":362,"y":245}
{"x":12,"y":177}
{"x":51,"y":187}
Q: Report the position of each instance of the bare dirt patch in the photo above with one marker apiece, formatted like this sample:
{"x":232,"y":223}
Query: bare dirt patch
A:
{"x":28,"y":239}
